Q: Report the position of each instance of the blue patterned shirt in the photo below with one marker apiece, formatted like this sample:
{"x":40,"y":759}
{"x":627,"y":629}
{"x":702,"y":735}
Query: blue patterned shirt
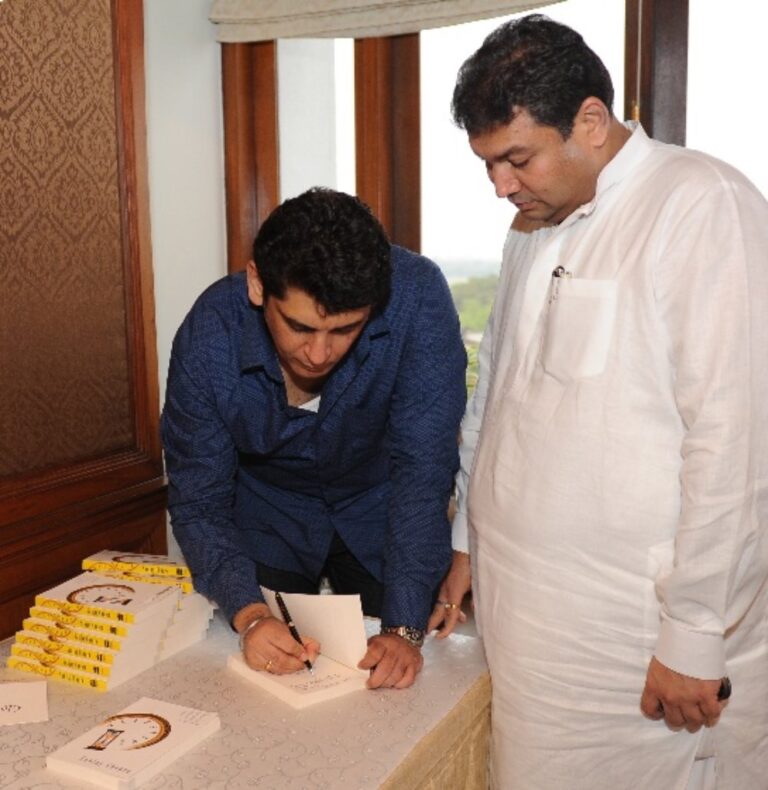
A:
{"x":252,"y":479}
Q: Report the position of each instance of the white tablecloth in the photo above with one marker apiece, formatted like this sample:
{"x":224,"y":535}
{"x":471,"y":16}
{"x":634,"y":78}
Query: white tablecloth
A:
{"x":358,"y":742}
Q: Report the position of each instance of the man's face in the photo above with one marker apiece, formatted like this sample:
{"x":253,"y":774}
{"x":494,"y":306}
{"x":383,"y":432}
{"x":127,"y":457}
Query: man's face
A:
{"x":309,"y":342}
{"x":532,"y":166}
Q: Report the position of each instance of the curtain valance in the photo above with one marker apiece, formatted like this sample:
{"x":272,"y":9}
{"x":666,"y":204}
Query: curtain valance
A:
{"x":263,"y":20}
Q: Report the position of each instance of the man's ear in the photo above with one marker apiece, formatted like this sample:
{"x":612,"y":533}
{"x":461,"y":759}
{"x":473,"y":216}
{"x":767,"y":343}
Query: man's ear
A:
{"x":594,"y":121}
{"x":255,"y":288}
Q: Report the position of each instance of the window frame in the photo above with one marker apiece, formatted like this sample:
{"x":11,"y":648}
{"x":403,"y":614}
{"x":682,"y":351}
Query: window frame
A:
{"x":387,"y":118}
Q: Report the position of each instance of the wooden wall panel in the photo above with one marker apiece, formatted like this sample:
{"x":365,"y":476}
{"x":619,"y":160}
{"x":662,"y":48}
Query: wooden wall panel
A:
{"x":80,"y":457}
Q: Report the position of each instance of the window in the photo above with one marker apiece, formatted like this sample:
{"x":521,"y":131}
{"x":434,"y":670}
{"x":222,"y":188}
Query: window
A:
{"x":316,"y":114}
{"x":726,"y":61}
{"x":463,"y":223}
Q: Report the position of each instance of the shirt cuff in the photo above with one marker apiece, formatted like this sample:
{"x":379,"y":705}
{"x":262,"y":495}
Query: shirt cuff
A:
{"x":460,"y":533}
{"x":690,"y":653}
{"x":232,"y":589}
{"x":406,"y":605}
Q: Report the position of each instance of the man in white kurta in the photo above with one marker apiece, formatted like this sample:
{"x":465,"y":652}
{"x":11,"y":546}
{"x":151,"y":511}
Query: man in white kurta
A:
{"x":618,"y":448}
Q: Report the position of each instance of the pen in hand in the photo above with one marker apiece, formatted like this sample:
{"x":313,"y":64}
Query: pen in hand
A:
{"x":291,"y":627}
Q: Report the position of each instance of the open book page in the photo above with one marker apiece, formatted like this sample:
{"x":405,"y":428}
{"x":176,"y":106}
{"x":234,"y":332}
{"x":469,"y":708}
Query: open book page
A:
{"x":301,"y":689}
{"x":335,"y":621}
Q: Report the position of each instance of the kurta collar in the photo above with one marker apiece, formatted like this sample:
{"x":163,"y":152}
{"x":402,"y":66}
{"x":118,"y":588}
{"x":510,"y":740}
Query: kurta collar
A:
{"x":630,"y":155}
{"x":634,"y":151}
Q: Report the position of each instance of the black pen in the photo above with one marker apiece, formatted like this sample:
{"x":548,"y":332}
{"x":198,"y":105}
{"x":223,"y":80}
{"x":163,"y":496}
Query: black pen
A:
{"x":291,"y":627}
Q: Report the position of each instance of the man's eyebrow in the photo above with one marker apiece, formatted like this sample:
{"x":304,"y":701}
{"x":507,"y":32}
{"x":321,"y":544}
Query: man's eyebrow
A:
{"x":513,"y":150}
{"x":294,"y":324}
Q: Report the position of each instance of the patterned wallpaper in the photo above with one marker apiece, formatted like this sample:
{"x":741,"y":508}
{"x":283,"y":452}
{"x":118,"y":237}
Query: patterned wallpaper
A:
{"x":64,"y":376}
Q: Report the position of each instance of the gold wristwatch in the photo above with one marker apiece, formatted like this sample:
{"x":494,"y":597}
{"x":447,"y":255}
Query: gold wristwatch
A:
{"x":414,"y":636}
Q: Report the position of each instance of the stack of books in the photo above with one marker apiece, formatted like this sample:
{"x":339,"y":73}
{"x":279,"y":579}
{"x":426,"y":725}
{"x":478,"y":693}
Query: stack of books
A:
{"x":108,"y":624}
{"x":194,"y":613}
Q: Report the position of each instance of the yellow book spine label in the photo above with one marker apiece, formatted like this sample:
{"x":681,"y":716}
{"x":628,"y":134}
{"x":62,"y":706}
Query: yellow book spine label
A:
{"x":34,"y":668}
{"x":137,"y":568}
{"x":52,"y":646}
{"x":54,"y":631}
{"x":86,"y":609}
{"x":184,"y":585}
{"x":75,"y":621}
{"x":61,"y":660}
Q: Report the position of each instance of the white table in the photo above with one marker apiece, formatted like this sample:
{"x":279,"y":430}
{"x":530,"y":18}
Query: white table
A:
{"x":433,"y":735}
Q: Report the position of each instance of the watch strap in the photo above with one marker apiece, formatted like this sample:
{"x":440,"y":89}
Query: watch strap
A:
{"x":414,"y":636}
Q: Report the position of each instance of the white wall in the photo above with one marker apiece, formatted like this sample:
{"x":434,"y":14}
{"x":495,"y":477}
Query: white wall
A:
{"x":305,"y":109}
{"x":186,"y":162}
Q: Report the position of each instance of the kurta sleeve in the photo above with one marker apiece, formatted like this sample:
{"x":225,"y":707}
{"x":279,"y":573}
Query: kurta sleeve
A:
{"x":470,"y":433}
{"x":712,"y":289}
{"x":514,"y":248}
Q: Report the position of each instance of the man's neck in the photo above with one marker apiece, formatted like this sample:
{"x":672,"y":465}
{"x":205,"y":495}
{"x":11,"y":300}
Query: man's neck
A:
{"x":300,"y":391}
{"x":618,"y":134}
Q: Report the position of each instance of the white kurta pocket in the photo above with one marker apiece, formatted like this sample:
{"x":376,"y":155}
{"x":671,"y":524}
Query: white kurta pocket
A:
{"x":579,"y":327}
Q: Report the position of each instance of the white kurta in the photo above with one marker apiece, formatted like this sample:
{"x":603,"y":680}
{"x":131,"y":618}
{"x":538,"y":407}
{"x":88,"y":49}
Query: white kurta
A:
{"x":618,"y":498}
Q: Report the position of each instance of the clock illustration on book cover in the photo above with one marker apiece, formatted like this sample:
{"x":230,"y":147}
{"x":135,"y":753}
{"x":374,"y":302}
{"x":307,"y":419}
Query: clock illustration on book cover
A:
{"x":141,"y":559}
{"x":103,"y":593}
{"x":130,"y":731}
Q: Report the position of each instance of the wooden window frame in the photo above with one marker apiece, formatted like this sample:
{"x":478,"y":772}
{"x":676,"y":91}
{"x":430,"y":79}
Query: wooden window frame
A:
{"x":388,"y":146}
{"x":656,"y":67}
{"x":251,"y":160}
{"x":387,"y":138}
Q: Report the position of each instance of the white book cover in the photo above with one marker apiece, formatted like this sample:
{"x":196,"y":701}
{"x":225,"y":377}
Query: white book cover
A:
{"x":127,"y":749}
{"x":336,"y":622}
{"x":92,"y":595}
{"x":176,"y":645}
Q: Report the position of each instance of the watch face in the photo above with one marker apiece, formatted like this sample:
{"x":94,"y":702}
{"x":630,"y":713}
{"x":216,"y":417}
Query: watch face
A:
{"x":115,"y":594}
{"x":128,"y":731}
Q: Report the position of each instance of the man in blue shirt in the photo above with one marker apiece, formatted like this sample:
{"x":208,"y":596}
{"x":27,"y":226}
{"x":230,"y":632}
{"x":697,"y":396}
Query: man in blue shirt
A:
{"x":310,"y":430}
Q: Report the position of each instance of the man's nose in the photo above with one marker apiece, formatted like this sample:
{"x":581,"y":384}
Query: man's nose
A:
{"x":318,"y":348}
{"x":504,"y":179}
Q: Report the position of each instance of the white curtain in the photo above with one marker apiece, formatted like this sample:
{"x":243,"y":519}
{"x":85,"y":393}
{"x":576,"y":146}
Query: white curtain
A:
{"x":263,"y":20}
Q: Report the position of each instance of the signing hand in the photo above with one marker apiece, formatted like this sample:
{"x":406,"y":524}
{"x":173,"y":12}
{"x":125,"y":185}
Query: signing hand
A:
{"x":394,"y":662}
{"x":680,"y":700}
{"x":269,"y":646}
{"x":455,"y":586}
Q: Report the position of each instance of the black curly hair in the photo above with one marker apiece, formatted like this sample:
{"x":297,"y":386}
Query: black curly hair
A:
{"x":328,"y":244}
{"x":532,"y":63}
